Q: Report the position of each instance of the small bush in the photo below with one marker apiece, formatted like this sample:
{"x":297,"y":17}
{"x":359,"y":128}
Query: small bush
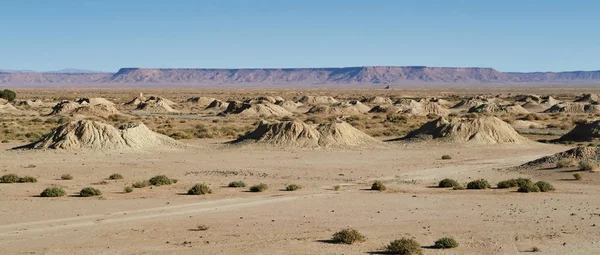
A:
{"x":404,"y":246}
{"x":587,"y":166}
{"x":199,"y":189}
{"x":30,"y":179}
{"x":259,"y":188}
{"x":140,"y":184}
{"x":544,"y":186}
{"x":160,"y":180}
{"x":478,"y":184}
{"x":9,"y":178}
{"x":292,"y":187}
{"x":115,"y":177}
{"x":128,"y":189}
{"x":445,"y":243}
{"x":448,"y":183}
{"x":446,"y":157}
{"x":337,"y":187}
{"x":66,"y":177}
{"x":513,"y":183}
{"x":348,"y":236}
{"x":529,"y":188}
{"x":578,"y":176}
{"x":90,"y":192}
{"x":566,"y":162}
{"x":202,"y":228}
{"x":378,"y":185}
{"x":238,"y":184}
{"x":53,"y":192}
{"x":459,"y":187}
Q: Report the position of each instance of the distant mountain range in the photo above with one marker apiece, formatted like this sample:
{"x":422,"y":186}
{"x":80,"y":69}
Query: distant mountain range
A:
{"x":366,"y":76}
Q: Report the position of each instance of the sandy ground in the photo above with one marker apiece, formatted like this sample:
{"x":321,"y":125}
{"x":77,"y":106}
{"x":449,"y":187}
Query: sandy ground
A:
{"x":161,"y":220}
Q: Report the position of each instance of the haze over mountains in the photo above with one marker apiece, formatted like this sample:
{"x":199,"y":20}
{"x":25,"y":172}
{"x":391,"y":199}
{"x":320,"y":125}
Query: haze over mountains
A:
{"x":366,"y":76}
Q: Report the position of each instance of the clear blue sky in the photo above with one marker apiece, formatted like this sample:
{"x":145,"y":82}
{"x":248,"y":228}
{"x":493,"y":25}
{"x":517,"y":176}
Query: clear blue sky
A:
{"x":509,"y":35}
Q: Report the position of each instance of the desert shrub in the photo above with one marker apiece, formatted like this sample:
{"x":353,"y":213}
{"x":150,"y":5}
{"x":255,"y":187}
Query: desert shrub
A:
{"x":513,"y":183}
{"x":115,"y":177}
{"x":140,"y":184}
{"x":448,"y":183}
{"x":535,"y":249}
{"x":238,"y":184}
{"x":478,"y":184}
{"x":8,"y":95}
{"x":587,"y":165}
{"x":337,"y":187}
{"x":530,"y":187}
{"x":160,"y":180}
{"x":199,"y":189}
{"x":445,"y":243}
{"x":202,"y":228}
{"x":53,"y":192}
{"x":259,"y":187}
{"x":128,"y":189}
{"x":348,"y":236}
{"x":9,"y":178}
{"x":27,"y":179}
{"x":66,"y":177}
{"x":544,"y":186}
{"x":404,"y":246}
{"x":292,"y":187}
{"x":378,"y":185}
{"x":566,"y":162}
{"x":459,"y":187}
{"x":90,"y":192}
{"x":446,"y":157}
{"x":578,"y":176}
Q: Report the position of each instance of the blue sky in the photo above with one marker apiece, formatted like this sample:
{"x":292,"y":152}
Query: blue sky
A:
{"x":509,"y":35}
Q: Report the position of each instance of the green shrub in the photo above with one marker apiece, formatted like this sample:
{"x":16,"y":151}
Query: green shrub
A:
{"x":445,"y":243}
{"x":128,"y":189}
{"x":478,"y":184}
{"x":66,"y":177}
{"x":587,"y":165}
{"x":446,"y":157}
{"x":90,"y":192}
{"x":9,"y":178}
{"x":238,"y":184}
{"x":53,"y":192}
{"x":348,"y":236}
{"x":8,"y":95}
{"x":199,"y":189}
{"x":140,"y":184}
{"x":160,"y":180}
{"x":566,"y":162}
{"x":459,"y":187}
{"x":259,"y":188}
{"x":578,"y":176}
{"x":514,"y":183}
{"x":544,"y":186}
{"x":448,"y":183}
{"x":292,"y":187}
{"x":378,"y":185}
{"x":115,"y":177}
{"x":404,"y":246}
{"x":27,"y":179}
{"x":529,"y":188}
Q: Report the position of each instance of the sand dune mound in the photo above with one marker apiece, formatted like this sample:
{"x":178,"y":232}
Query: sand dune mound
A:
{"x":217,"y":105}
{"x":424,"y":109}
{"x":524,"y":124}
{"x":299,"y":134}
{"x":10,"y":109}
{"x":588,"y":98}
{"x":405,"y":101}
{"x":436,"y":100}
{"x":482,"y":130}
{"x":269,"y":99}
{"x":88,"y":107}
{"x":292,"y":106}
{"x":583,"y":132}
{"x":478,"y":100}
{"x":202,"y":101}
{"x":94,"y":101}
{"x":578,"y":154}
{"x":87,"y":134}
{"x":264,"y":109}
{"x":386,"y":109}
{"x":497,"y":108}
{"x":313,"y":100}
{"x":30,"y":103}
{"x":344,"y":108}
{"x":574,"y":108}
{"x":377,"y":100}
{"x":157,"y":105}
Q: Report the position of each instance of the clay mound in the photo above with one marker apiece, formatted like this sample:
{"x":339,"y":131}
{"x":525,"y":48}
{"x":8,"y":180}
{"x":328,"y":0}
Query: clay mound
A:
{"x":424,"y":109}
{"x":497,"y":108}
{"x":386,"y":109}
{"x":99,"y":110}
{"x":405,"y":101}
{"x":155,"y":106}
{"x":217,"y":105}
{"x":158,"y":98}
{"x":92,"y":135}
{"x":579,"y":154}
{"x":524,"y":124}
{"x":94,"y":101}
{"x":588,"y":98}
{"x":313,"y":100}
{"x":574,"y":108}
{"x":263,"y":109}
{"x":202,"y":101}
{"x":529,"y":98}
{"x":85,"y":107}
{"x":583,"y":132}
{"x":377,"y":100}
{"x":10,"y":109}
{"x":436,"y":100}
{"x":345,"y":108}
{"x":478,"y":100}
{"x":299,"y":134}
{"x":482,"y":130}
{"x":292,"y":106}
{"x":30,"y":103}
{"x":269,"y":99}
{"x":137,"y":100}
